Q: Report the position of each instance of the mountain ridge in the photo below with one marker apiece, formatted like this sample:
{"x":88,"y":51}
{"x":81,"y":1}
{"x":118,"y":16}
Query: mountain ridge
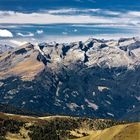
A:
{"x":96,"y":78}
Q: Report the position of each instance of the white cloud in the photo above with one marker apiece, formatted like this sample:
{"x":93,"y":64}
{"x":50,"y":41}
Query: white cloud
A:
{"x":25,"y":35}
{"x":111,"y":13}
{"x":80,"y":16}
{"x":129,"y":20}
{"x":112,"y":25}
{"x":83,"y":11}
{"x":72,"y":11}
{"x":75,"y":16}
{"x":45,"y":18}
{"x":5,"y":33}
{"x":75,"y":30}
{"x":39,"y":31}
{"x":64,"y":33}
{"x":134,"y":13}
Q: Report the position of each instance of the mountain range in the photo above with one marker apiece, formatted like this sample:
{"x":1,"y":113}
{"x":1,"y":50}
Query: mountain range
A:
{"x":96,"y":78}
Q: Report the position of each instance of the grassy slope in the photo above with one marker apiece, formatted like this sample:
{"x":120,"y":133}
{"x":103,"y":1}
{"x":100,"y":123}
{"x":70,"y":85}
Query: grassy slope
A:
{"x":119,"y":132}
{"x":67,"y":127}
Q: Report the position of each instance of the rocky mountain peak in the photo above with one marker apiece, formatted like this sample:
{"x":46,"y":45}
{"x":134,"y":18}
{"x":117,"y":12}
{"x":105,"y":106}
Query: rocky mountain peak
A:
{"x":93,"y":52}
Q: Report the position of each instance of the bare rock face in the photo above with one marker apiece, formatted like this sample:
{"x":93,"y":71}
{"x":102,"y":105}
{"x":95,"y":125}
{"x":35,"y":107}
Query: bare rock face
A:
{"x":20,"y":62}
{"x":4,"y":48}
{"x":96,"y":78}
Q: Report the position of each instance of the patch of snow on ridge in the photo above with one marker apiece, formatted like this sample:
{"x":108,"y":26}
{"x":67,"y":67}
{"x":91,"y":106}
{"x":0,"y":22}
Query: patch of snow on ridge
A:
{"x":31,"y":101}
{"x":58,"y":88}
{"x":110,"y":114}
{"x":109,"y":96}
{"x":92,"y":105}
{"x":108,"y":102}
{"x":138,"y":98}
{"x":1,"y":84}
{"x":74,"y":93}
{"x":101,"y":88}
{"x":23,"y":103}
{"x":94,"y":93}
{"x":72,"y":106}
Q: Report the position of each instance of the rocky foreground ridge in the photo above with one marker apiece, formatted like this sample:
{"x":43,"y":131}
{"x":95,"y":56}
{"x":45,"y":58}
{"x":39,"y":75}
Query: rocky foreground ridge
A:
{"x":96,"y":78}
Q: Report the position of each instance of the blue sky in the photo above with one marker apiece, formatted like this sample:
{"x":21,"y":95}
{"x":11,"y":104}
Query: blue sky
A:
{"x":35,"y":5}
{"x":70,"y":19}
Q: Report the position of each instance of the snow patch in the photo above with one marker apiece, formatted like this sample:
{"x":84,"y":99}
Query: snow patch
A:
{"x":138,"y":98}
{"x":66,"y":96}
{"x":57,"y":102}
{"x":72,"y":106}
{"x":134,"y":106}
{"x":1,"y":84}
{"x":74,"y":93}
{"x":82,"y":106}
{"x":12,"y":91}
{"x":8,"y":97}
{"x":92,"y":105}
{"x":110,"y":97}
{"x":93,"y":93}
{"x":23,"y":103}
{"x":31,"y":101}
{"x":108,"y":113}
{"x":66,"y":90}
{"x":58,"y":88}
{"x":101,"y":88}
{"x":108,"y":102}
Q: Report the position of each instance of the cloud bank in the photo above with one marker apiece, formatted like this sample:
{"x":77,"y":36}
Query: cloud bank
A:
{"x":71,"y":22}
{"x":26,"y":35}
{"x":72,"y":16}
{"x":5,"y":33}
{"x":39,"y":31}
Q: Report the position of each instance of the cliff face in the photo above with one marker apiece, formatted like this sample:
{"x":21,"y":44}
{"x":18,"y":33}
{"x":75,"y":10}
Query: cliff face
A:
{"x":97,"y":78}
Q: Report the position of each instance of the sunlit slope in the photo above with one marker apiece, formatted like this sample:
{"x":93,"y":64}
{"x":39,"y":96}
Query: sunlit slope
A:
{"x":119,"y":132}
